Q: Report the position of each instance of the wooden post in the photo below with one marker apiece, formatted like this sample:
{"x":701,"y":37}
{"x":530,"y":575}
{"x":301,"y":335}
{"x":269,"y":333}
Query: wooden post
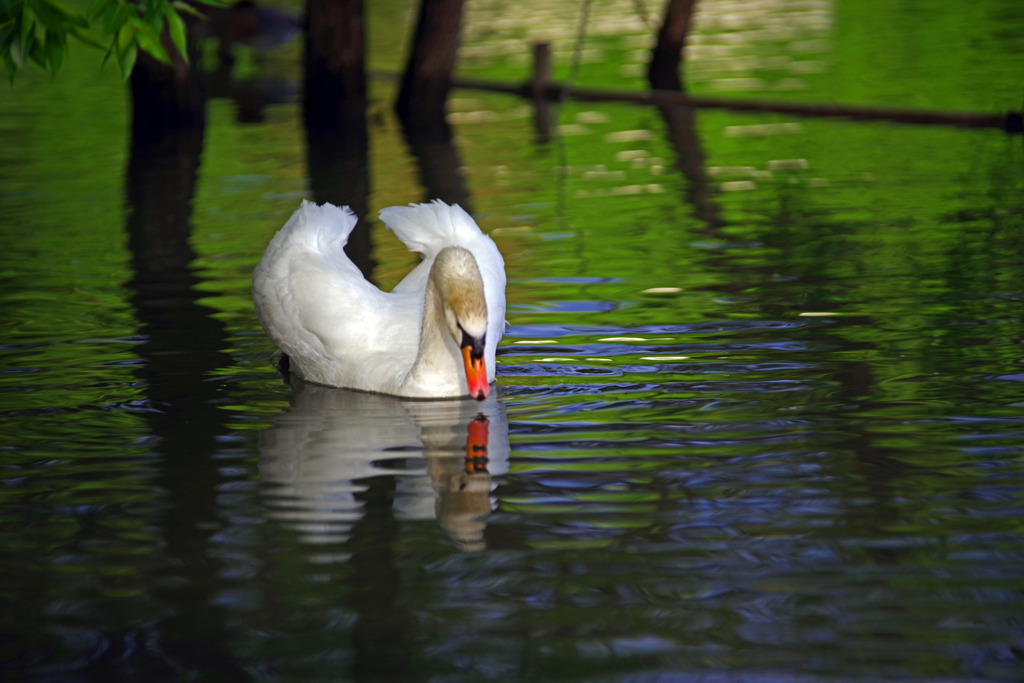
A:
{"x":541,"y":70}
{"x":663,"y":71}
{"x":539,"y":91}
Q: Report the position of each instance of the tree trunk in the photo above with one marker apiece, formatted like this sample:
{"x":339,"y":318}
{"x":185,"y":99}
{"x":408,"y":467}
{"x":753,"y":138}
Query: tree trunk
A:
{"x":335,"y":64}
{"x":428,"y":74}
{"x":181,"y":348}
{"x":440,"y":170}
{"x":664,"y":73}
{"x":667,"y":56}
{"x":166,"y":97}
{"x":334,"y":101}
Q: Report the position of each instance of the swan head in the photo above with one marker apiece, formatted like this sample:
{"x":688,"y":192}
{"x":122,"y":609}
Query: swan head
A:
{"x":461,"y":289}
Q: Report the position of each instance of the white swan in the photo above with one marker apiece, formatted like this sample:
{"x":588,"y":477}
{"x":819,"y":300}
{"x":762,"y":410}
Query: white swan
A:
{"x":434,"y":335}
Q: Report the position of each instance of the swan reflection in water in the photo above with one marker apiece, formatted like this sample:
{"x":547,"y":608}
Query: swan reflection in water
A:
{"x":443,"y":454}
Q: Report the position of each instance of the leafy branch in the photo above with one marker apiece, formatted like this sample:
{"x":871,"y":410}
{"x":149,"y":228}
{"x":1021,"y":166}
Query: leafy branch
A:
{"x":38,"y":30}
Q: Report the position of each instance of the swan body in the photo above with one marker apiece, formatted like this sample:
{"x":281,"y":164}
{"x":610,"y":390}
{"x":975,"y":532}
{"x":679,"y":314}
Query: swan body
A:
{"x":433,"y":336}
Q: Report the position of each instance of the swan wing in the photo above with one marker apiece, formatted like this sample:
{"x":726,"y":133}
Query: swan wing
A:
{"x":318,"y":308}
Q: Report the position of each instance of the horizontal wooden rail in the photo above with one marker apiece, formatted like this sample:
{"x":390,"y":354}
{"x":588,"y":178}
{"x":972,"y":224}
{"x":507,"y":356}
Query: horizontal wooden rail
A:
{"x":1010,"y":122}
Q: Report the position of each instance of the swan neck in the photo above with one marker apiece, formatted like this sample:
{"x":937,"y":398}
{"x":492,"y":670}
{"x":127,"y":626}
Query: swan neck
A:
{"x":453,"y":297}
{"x":432,"y":345}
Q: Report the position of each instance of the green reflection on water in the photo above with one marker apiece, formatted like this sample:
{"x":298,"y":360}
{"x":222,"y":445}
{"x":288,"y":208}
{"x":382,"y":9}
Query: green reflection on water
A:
{"x":702,"y":478}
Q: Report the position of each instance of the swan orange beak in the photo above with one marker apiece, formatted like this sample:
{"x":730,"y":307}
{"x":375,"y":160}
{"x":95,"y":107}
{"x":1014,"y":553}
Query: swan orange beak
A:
{"x":476,"y":373}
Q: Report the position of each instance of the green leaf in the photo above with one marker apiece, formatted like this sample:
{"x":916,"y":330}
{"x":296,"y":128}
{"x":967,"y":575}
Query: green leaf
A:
{"x":106,"y":15}
{"x":28,"y":23}
{"x":125,"y":39}
{"x":187,"y":9}
{"x":127,"y":61}
{"x":86,"y":38}
{"x":37,"y":51}
{"x":47,"y":17}
{"x":97,"y":9}
{"x":56,"y":46}
{"x":58,"y":10}
{"x":153,"y":12}
{"x":17,"y":53}
{"x":110,"y":50}
{"x":110,"y":18}
{"x":148,"y":40}
{"x":176,"y":29}
{"x":116,"y":21}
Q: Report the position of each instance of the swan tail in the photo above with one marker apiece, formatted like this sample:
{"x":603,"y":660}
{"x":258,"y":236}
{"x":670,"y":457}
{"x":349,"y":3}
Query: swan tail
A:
{"x":429,"y":228}
{"x":324,"y":228}
{"x":313,"y":232}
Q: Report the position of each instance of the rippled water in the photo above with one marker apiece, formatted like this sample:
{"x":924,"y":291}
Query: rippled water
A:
{"x":759,"y":409}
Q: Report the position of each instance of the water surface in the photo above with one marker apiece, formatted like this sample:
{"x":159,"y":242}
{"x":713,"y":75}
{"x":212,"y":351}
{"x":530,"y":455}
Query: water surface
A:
{"x":759,"y":410}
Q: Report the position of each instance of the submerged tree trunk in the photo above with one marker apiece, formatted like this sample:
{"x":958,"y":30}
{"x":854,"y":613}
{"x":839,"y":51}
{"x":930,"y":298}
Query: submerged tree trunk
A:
{"x":664,"y":73}
{"x":334,"y":102}
{"x":335,"y":82}
{"x":667,"y":56}
{"x":421,"y":102}
{"x":166,"y":97}
{"x":440,"y":169}
{"x":181,"y":347}
{"x":428,"y":74}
